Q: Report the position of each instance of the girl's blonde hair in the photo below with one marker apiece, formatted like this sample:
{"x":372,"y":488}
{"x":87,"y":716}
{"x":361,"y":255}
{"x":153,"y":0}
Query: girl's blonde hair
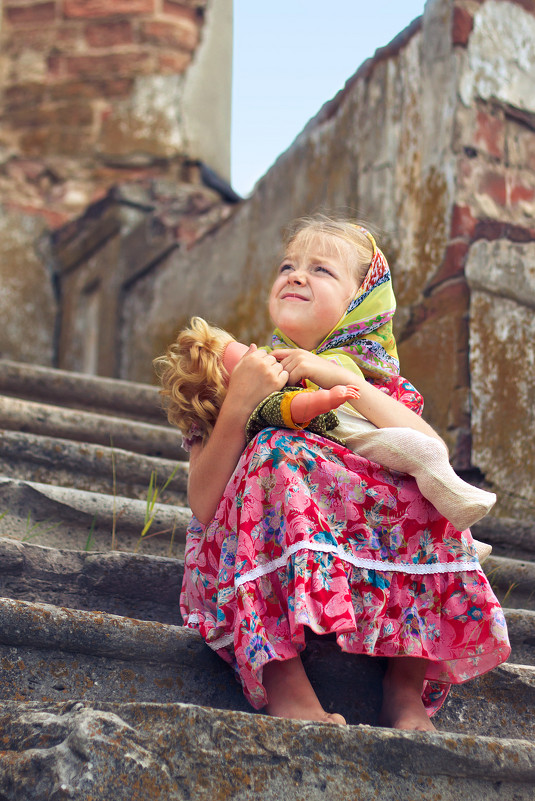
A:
{"x":193,"y":378}
{"x":306,"y":228}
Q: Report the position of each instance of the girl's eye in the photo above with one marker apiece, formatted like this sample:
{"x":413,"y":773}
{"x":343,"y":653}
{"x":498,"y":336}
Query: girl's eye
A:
{"x":285,"y":268}
{"x":321,"y":269}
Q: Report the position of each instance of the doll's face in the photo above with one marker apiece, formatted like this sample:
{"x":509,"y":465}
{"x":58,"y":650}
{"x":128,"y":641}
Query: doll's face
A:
{"x":316,"y":281}
{"x":232,"y":355}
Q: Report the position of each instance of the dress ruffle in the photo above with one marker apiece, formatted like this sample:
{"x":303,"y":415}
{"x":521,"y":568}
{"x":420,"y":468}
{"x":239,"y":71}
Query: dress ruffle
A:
{"x":308,"y":534}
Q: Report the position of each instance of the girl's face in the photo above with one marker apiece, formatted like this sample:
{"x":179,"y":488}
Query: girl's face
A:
{"x":315,"y":283}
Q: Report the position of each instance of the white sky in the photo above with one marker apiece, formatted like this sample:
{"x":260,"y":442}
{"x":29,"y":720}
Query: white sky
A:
{"x":290,"y":57}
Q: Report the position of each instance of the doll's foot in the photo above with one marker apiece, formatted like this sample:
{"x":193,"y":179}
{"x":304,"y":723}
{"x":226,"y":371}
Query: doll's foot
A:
{"x":290,"y":694}
{"x":403,"y":707}
{"x":340,"y":394}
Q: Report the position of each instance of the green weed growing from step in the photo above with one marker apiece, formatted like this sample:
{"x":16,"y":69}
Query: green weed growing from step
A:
{"x":89,"y":541}
{"x":37,"y":528}
{"x":153,"y":493}
{"x":114,"y":513}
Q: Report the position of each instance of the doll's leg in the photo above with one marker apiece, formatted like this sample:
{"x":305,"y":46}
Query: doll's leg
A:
{"x":306,"y":405}
{"x":425,"y":458}
{"x":291,"y":695}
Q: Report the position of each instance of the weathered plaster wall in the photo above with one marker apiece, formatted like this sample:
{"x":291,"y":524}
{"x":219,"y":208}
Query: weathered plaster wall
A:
{"x":27,"y":303}
{"x":95,"y":94}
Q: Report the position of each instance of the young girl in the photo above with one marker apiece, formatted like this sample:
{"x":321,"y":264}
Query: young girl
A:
{"x":194,"y":375}
{"x":296,"y":531}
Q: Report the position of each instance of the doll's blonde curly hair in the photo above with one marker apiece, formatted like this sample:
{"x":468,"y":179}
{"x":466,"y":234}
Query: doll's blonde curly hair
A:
{"x":192,"y":376}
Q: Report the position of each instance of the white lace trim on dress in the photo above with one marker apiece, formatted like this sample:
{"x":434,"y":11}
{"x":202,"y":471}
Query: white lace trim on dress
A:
{"x":369,"y":564}
{"x":356,"y":561}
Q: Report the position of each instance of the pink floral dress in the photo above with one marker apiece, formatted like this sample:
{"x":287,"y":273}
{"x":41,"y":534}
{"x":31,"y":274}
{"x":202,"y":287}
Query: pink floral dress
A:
{"x":308,"y":534}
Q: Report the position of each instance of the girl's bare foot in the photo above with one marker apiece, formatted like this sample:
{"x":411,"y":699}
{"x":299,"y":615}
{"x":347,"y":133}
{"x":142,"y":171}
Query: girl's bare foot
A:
{"x":291,"y":695}
{"x":402,"y":695}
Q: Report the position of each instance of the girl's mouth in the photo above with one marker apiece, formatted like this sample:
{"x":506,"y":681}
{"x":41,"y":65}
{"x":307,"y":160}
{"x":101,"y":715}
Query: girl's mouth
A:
{"x":292,"y":296}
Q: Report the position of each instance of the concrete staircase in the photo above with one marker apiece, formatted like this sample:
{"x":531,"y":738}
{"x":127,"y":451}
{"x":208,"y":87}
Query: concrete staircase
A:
{"x":103,"y":695}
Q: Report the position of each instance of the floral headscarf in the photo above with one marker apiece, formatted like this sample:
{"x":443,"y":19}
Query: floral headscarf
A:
{"x":363,"y":340}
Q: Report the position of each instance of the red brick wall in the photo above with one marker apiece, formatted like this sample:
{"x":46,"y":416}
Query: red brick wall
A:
{"x":67,"y":59}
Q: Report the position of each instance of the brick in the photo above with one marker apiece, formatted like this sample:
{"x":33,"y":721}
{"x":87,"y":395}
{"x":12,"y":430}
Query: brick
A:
{"x":31,"y":14}
{"x":32,"y":37}
{"x":109,"y":34}
{"x":520,"y":192}
{"x":452,"y":264}
{"x":40,"y":142}
{"x":54,"y":219}
{"x":495,"y":229}
{"x":21,"y":96}
{"x":520,"y":146}
{"x":68,"y":115}
{"x":181,"y":34}
{"x":193,"y":10}
{"x":121,"y":87}
{"x":86,"y":9}
{"x":490,"y":133}
{"x":116,"y":64}
{"x":493,"y":184}
{"x":461,"y":26}
{"x":173,"y":63}
{"x":463,"y":222}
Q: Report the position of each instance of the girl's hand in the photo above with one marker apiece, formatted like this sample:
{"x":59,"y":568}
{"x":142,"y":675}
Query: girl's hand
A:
{"x":256,"y":375}
{"x":301,"y":364}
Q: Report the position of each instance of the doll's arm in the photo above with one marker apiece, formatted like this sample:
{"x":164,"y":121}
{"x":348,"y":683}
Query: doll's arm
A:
{"x":306,"y":405}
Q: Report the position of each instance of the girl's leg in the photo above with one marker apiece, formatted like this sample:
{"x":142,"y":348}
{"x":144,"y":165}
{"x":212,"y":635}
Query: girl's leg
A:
{"x":402,"y":695}
{"x":291,"y":695}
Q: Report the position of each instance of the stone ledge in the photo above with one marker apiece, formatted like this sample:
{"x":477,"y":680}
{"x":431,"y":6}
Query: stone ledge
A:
{"x":148,"y":587}
{"x":87,"y":466}
{"x":510,"y":537}
{"x":175,"y":752}
{"x":53,"y":653}
{"x":513,"y":581}
{"x":126,"y":584}
{"x":73,"y":519}
{"x":101,"y":429}
{"x":78,"y":390}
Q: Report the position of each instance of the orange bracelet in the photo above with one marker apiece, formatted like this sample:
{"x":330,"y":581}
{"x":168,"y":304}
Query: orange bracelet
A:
{"x":286,"y":411}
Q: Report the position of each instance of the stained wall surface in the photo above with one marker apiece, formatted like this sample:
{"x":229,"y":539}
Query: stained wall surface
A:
{"x":96,"y":94}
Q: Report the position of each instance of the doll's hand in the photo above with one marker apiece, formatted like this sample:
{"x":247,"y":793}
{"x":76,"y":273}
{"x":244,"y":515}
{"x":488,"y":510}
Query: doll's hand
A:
{"x":303,"y":364}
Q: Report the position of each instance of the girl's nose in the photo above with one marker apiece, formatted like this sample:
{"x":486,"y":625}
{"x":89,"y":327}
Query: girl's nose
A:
{"x":297,"y":277}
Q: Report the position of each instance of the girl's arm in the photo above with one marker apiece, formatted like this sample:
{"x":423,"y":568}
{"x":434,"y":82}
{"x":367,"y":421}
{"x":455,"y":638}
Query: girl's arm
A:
{"x":305,"y":405}
{"x":212,"y":464}
{"x":378,"y":407}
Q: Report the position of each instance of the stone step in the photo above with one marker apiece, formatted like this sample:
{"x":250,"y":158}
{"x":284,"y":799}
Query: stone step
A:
{"x":50,"y":653}
{"x":509,"y":537}
{"x":126,"y":584}
{"x":80,"y":426}
{"x":513,"y":581}
{"x":87,"y":466}
{"x":75,"y":519}
{"x":172,"y":752}
{"x":141,"y":586}
{"x":80,"y":391}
